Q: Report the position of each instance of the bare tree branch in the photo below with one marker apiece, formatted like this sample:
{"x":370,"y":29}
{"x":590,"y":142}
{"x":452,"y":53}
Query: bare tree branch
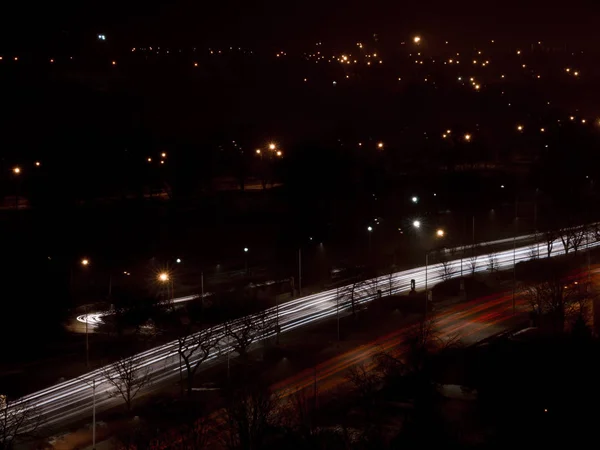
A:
{"x":128,"y":378}
{"x":447,"y":270}
{"x":194,"y":349}
{"x":250,"y":411}
{"x":492,"y":263}
{"x":18,"y":420}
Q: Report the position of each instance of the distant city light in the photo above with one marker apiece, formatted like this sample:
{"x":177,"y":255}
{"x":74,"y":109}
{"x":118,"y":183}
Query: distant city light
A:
{"x":520,"y":127}
{"x":163,"y":154}
{"x":417,"y":39}
{"x":101,"y":37}
{"x":440,"y":233}
{"x":163,"y":276}
{"x":417,"y":224}
{"x":369,"y":228}
{"x":272,"y":146}
{"x":149,"y":159}
{"x":16,"y":170}
{"x":85,"y":262}
{"x":38,"y":164}
{"x":380,"y":145}
{"x":178,"y":260}
{"x":114,"y":63}
{"x":279,"y":153}
{"x":245,"y":249}
{"x":415,"y":199}
{"x":467,"y":137}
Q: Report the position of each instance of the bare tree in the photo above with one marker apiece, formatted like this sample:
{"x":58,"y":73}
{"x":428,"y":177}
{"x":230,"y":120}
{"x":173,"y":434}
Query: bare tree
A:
{"x":550,"y":237}
{"x":473,"y":258}
{"x":571,"y":236}
{"x":391,"y":280}
{"x":242,"y":333}
{"x":578,"y":234}
{"x":351,"y":295}
{"x":447,"y":270}
{"x":299,"y":414}
{"x":594,"y":232}
{"x":366,"y":383}
{"x":18,"y":420}
{"x":194,"y":349}
{"x":250,"y":411}
{"x":128,"y":378}
{"x":492,"y":262}
{"x":555,"y":299}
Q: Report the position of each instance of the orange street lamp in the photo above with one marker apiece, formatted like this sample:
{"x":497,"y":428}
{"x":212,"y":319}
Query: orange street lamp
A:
{"x":163,"y":276}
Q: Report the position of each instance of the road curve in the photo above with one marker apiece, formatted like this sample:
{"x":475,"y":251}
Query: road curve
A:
{"x":70,"y":400}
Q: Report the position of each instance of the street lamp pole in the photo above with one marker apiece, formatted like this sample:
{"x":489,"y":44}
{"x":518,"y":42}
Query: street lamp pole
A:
{"x":337,"y":312}
{"x":514,"y":273}
{"x":94,"y":414}
{"x":300,"y":271}
{"x":87,"y":339}
{"x":202,"y":285}
{"x":426,"y":292}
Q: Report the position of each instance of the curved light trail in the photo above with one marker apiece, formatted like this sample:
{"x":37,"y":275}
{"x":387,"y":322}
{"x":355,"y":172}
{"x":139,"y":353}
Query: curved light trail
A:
{"x":72,"y":399}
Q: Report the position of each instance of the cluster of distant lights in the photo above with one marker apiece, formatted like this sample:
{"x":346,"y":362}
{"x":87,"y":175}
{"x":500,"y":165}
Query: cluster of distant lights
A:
{"x":272,"y":147}
{"x":17,"y":170}
{"x":163,"y":157}
{"x":348,"y":59}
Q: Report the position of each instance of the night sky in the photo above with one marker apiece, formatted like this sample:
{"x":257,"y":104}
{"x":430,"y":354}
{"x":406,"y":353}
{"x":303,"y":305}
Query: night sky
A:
{"x":36,"y":25}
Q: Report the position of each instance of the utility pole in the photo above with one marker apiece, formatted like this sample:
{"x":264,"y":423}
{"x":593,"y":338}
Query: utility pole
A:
{"x":299,"y":271}
{"x":426,"y":292}
{"x":94,"y":414}
{"x":180,"y":374}
{"x":87,"y":339}
{"x":277,"y":319}
{"x":337,"y":312}
{"x":315,"y":389}
{"x":514,"y":273}
{"x":228,"y":365}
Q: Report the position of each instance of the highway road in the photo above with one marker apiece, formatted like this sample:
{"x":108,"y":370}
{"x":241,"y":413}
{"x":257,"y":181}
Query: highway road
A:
{"x":71,"y":400}
{"x":96,"y":317}
{"x":472,"y":321}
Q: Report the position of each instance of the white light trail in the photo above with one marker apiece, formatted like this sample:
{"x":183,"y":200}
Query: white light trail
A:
{"x":71,"y":399}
